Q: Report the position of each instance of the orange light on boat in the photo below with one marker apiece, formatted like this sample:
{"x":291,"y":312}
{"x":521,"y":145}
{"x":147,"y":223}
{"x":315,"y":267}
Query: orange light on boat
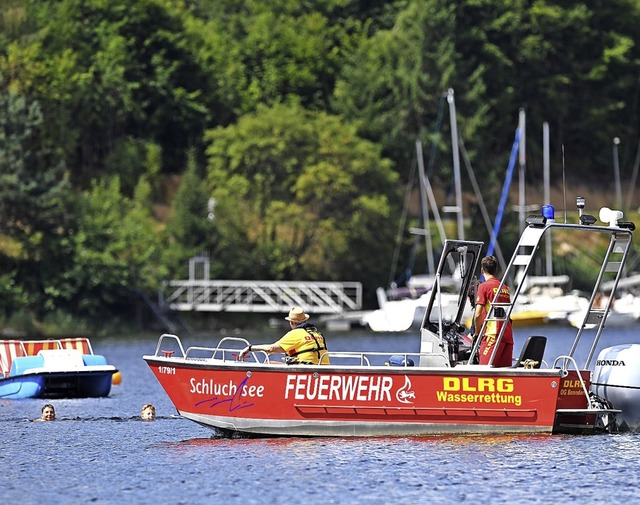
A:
{"x":116,"y":378}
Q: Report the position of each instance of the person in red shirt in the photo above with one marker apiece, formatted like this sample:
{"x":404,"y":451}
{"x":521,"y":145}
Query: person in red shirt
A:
{"x":488,"y":292}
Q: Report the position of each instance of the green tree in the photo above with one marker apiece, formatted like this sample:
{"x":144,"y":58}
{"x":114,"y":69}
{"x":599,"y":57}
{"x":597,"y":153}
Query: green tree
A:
{"x":33,"y":212}
{"x":12,"y":17}
{"x":32,"y":177}
{"x":300,"y":196}
{"x":574,"y":65}
{"x":190,"y":228}
{"x":263,"y":52}
{"x":120,"y":71}
{"x":392,"y":84}
{"x":115,"y":251}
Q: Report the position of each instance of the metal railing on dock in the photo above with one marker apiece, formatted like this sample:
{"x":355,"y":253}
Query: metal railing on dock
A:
{"x":262,"y":296}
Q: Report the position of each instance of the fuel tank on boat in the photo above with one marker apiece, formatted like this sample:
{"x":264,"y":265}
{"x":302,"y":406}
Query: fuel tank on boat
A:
{"x":616,"y":378}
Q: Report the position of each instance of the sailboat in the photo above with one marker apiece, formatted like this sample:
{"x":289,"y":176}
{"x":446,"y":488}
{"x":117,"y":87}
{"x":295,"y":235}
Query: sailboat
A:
{"x":401,"y":309}
{"x":545,"y":298}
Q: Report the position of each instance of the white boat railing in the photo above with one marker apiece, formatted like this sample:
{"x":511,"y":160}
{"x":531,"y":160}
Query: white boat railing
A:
{"x":226,"y":352}
{"x":566,"y":360}
{"x":168,"y":352}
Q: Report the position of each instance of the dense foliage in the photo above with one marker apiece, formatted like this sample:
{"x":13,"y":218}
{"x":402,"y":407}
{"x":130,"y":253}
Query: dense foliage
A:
{"x":277,"y":135}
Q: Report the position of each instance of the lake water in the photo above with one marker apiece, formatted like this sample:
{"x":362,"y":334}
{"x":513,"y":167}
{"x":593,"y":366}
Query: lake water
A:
{"x":100,"y":452}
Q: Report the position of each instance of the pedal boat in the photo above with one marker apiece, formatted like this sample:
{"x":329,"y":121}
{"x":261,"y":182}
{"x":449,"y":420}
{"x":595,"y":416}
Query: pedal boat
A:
{"x":54,"y":368}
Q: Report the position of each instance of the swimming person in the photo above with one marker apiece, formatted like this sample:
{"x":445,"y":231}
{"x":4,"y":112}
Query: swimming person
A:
{"x":48,"y":413}
{"x":148,"y":412}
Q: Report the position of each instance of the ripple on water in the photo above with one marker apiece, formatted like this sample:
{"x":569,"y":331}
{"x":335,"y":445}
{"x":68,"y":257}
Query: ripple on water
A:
{"x":100,"y":452}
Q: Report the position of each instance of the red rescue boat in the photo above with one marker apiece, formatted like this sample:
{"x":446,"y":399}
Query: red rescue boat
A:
{"x":436,"y":391}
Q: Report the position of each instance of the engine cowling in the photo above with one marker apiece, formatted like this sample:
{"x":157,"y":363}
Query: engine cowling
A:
{"x":616,"y":378}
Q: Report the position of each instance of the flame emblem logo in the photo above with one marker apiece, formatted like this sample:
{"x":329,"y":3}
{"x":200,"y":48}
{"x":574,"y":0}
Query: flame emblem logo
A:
{"x":406,"y":394}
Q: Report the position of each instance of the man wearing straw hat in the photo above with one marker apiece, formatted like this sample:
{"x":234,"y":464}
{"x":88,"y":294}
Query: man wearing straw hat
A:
{"x":303,"y":344}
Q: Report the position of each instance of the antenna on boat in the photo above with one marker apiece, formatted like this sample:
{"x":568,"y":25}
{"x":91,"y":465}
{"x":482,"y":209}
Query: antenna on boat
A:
{"x":564,"y":188}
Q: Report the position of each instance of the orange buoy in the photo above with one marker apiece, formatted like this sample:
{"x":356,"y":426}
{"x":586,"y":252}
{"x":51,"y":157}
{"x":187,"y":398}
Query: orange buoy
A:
{"x":116,"y":378}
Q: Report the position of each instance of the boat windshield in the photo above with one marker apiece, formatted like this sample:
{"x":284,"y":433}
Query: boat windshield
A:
{"x":449,"y":300}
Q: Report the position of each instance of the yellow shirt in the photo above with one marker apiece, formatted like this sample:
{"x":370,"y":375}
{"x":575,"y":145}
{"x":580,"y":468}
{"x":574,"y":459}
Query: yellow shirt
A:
{"x":300,"y":342}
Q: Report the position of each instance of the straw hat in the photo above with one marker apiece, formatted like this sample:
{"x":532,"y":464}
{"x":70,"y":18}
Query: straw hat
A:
{"x":297,"y":315}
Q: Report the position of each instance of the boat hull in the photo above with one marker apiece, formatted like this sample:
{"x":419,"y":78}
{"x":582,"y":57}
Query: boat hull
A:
{"x":379,"y":401}
{"x":438,"y":390}
{"x":86,"y":384}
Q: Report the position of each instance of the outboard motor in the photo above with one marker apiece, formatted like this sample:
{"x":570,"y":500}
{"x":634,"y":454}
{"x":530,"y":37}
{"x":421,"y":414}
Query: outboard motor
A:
{"x":616,"y":378}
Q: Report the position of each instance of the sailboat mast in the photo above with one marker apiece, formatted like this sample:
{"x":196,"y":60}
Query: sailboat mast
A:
{"x":547,"y":195}
{"x":425,"y":210}
{"x":456,"y":163}
{"x":522,"y":152}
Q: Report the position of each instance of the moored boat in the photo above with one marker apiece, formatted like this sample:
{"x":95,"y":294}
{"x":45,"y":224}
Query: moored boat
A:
{"x":406,"y":314}
{"x":438,"y":390}
{"x":53,"y":368}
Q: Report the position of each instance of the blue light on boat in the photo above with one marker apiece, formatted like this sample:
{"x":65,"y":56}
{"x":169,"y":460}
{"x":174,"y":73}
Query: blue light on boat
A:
{"x":548,"y":211}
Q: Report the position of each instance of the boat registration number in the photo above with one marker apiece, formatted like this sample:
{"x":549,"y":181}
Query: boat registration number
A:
{"x":167,"y":370}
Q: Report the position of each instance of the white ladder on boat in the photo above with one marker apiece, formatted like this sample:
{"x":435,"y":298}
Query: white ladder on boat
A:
{"x":613,"y":262}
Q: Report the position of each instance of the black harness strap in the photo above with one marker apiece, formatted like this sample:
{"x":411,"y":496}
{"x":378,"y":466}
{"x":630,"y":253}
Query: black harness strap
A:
{"x":318,"y":347}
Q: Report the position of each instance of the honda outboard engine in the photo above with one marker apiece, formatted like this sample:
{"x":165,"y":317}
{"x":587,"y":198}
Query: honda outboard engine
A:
{"x":616,"y":378}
